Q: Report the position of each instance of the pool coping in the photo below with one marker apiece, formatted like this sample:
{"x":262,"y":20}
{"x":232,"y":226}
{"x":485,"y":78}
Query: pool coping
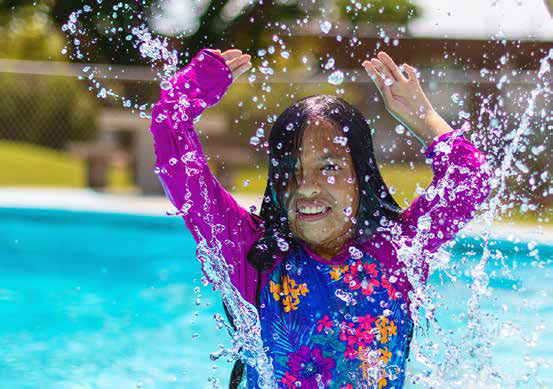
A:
{"x":90,"y":200}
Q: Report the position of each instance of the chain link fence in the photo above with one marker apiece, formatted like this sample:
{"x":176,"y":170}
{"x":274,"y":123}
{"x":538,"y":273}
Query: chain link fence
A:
{"x":46,"y":105}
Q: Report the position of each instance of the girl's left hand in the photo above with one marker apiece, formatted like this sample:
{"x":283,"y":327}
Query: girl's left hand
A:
{"x":403,"y":97}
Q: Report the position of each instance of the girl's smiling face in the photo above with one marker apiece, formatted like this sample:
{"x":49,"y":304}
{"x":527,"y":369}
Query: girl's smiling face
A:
{"x":326,"y":197}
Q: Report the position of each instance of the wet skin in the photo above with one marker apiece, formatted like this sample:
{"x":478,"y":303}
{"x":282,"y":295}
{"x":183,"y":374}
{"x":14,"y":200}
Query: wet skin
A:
{"x":326,"y":232}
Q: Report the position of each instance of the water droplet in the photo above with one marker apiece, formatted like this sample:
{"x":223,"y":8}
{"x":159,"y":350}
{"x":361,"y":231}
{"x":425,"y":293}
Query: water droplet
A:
{"x":336,"y":78}
{"x":355,"y":252}
{"x":341,"y":140}
{"x":424,"y":222}
{"x":457,"y":99}
{"x":283,"y":245}
{"x":254,"y":140}
{"x":325,"y":26}
{"x":522,"y":167}
{"x":331,"y":179}
{"x":537,"y":150}
{"x":166,"y":85}
{"x":285,"y":54}
{"x":464,"y":115}
{"x":329,"y":64}
{"x":260,"y":133}
{"x":400,"y":129}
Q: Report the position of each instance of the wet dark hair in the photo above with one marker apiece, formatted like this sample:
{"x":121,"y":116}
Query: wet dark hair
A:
{"x":375,"y":200}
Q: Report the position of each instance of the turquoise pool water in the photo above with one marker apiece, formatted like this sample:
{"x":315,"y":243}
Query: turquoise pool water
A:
{"x":91,"y":300}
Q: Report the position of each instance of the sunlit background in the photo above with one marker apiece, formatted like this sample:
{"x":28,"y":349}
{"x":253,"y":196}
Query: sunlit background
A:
{"x":69,"y":142}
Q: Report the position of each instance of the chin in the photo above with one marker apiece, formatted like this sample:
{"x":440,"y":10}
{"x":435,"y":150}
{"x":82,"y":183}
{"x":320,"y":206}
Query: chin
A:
{"x":314,"y":239}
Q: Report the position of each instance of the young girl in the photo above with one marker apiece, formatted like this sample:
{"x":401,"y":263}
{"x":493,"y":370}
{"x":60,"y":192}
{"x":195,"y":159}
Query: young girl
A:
{"x":321,"y":262}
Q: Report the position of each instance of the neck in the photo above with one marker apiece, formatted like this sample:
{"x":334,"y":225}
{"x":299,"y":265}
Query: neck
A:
{"x":329,"y":251}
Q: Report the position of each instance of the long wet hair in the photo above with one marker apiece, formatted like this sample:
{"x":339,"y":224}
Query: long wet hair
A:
{"x":376,"y":204}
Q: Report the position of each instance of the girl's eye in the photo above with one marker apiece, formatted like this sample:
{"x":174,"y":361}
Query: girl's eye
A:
{"x":330,"y":167}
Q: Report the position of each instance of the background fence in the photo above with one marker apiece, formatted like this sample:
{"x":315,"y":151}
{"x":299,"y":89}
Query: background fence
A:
{"x":45,"y":104}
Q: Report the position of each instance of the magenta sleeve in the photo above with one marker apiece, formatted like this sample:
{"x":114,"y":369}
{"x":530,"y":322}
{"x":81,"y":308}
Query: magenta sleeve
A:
{"x":460,"y":185}
{"x":209,"y":211}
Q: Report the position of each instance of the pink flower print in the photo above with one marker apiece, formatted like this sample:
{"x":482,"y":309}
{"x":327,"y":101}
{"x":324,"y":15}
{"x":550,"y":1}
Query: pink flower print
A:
{"x":289,"y":380}
{"x":362,"y":276}
{"x":324,"y":323}
{"x":346,"y":329}
{"x":366,"y":322}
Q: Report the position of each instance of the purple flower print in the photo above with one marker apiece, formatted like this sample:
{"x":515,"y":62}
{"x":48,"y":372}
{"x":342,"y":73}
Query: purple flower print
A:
{"x":310,"y":368}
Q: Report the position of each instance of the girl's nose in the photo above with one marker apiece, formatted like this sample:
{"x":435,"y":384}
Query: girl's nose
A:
{"x":309,"y":186}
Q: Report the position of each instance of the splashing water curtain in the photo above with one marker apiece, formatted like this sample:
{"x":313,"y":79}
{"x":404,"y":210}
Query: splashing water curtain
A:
{"x":246,"y":339}
{"x":474,"y":349}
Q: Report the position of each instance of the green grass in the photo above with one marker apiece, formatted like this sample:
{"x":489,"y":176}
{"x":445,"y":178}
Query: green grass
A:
{"x":29,"y":165}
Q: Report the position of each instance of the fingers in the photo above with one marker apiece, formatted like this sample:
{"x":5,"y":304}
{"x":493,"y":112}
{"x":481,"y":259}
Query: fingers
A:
{"x":374,"y":74}
{"x":239,"y":61}
{"x":241,"y":70}
{"x":383,"y":69}
{"x":410,"y":72}
{"x":391,"y":66}
{"x":231,"y":54}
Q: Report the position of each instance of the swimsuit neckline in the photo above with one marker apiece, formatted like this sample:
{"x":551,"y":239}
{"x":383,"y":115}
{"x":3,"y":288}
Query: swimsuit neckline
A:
{"x":338,"y":259}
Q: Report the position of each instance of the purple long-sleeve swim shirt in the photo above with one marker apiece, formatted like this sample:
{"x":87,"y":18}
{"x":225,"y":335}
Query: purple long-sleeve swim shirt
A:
{"x":338,"y":323}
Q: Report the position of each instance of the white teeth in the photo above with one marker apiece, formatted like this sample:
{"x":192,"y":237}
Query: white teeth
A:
{"x":312,"y":210}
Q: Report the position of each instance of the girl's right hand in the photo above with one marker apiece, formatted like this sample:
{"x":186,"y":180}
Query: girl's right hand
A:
{"x":237,"y":62}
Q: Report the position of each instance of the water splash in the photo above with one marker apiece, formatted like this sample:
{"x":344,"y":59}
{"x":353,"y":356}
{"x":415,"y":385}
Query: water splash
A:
{"x":445,"y":363}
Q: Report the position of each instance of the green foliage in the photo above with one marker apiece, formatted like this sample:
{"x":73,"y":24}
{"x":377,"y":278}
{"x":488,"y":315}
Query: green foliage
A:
{"x":378,"y":11}
{"x":246,"y":28}
{"x":29,"y":33}
{"x":45,"y":110}
{"x":48,"y":111}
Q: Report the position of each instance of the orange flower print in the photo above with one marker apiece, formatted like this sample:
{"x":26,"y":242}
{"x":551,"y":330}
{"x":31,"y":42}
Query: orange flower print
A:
{"x":337,"y":271}
{"x":302,"y":289}
{"x":276,"y":290}
{"x":289,"y":304}
{"x":386,"y":328}
{"x":290,"y":292}
{"x":382,"y":381}
{"x":385,"y":354}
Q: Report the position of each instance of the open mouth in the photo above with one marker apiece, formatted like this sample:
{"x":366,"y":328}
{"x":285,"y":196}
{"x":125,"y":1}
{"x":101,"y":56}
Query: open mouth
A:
{"x":312,"y":213}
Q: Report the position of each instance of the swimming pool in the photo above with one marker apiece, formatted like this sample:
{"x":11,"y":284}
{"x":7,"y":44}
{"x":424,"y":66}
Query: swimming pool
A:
{"x":98,"y":300}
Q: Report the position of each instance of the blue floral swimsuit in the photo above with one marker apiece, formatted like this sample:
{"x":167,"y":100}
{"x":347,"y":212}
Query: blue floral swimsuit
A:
{"x":334,"y":326}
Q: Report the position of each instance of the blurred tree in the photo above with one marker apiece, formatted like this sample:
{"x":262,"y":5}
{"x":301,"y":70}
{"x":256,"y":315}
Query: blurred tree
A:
{"x":210,"y":23}
{"x":193,"y":24}
{"x":378,"y":11}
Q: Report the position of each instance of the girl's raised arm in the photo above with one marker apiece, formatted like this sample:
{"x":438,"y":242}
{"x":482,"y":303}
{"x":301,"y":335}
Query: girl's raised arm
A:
{"x":461,"y":176}
{"x":209,"y":211}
